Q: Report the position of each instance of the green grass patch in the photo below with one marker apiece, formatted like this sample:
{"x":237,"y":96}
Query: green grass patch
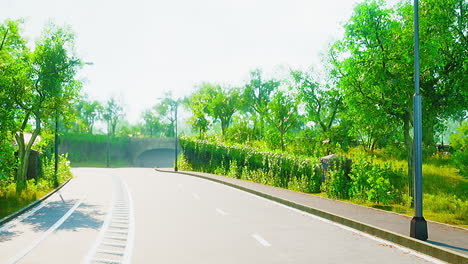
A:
{"x":100,"y":164}
{"x":12,"y":201}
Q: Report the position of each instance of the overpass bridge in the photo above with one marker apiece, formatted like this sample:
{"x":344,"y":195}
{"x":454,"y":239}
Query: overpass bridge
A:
{"x":136,"y":152}
{"x":151,"y":152}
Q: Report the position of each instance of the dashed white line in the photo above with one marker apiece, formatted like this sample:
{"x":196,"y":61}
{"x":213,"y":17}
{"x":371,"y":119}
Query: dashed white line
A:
{"x":261,"y":240}
{"x":196,"y":196}
{"x":377,"y":239}
{"x":221,"y":212}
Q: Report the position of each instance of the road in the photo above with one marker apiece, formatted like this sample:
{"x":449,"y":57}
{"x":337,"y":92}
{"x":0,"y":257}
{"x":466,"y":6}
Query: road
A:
{"x":139,"y":215}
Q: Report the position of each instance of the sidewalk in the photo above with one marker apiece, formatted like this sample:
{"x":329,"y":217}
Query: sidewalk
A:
{"x":445,"y":242}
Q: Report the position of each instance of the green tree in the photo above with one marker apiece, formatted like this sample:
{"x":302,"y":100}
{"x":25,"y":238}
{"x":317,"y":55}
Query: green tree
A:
{"x":50,"y":85}
{"x":198,"y":104}
{"x":112,"y":113}
{"x":375,"y":61}
{"x":152,"y":124}
{"x":165,"y":109}
{"x":282,"y":114}
{"x":86,"y":113}
{"x":257,"y":95}
{"x":322,"y":103}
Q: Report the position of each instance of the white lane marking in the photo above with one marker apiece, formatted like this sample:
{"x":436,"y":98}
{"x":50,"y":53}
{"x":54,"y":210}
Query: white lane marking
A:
{"x":261,"y":240}
{"x":131,"y":230}
{"x":104,"y":226}
{"x":24,"y":216}
{"x":54,"y":227}
{"x":196,"y":196}
{"x":221,"y":212}
{"x":405,"y":250}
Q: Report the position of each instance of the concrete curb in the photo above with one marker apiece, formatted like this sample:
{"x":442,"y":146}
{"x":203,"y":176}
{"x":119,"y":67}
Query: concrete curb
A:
{"x":31,"y":205}
{"x":409,"y":242}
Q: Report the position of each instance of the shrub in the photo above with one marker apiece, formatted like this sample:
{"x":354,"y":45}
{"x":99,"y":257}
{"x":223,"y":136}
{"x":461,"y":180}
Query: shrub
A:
{"x":336,"y":184}
{"x":459,"y":143}
{"x":374,"y":182}
{"x":278,"y":169}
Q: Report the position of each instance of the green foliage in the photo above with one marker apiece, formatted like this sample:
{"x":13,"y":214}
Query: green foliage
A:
{"x":459,"y":143}
{"x":449,"y":205}
{"x":337,"y":182}
{"x":282,"y":115}
{"x":7,"y":157}
{"x":11,"y":200}
{"x":91,"y":150}
{"x":279,"y":169}
{"x":112,"y":112}
{"x":376,"y":183}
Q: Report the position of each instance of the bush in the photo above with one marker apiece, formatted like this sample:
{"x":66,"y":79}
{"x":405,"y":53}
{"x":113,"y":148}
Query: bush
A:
{"x":337,"y":182}
{"x":7,"y":157}
{"x":374,"y":182}
{"x":278,"y":169}
{"x":459,"y":143}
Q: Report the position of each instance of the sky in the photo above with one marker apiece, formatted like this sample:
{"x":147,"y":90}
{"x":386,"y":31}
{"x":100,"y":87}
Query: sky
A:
{"x":141,"y":49}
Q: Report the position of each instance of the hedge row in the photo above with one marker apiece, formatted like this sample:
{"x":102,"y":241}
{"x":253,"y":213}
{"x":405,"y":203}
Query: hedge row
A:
{"x":285,"y":169}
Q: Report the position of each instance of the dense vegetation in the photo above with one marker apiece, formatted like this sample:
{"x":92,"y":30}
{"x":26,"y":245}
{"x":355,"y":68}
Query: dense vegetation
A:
{"x":360,"y":106}
{"x":35,"y":88}
{"x":275,"y":127}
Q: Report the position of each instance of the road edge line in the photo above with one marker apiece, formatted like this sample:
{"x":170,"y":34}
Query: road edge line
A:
{"x":409,"y":242}
{"x":28,"y":207}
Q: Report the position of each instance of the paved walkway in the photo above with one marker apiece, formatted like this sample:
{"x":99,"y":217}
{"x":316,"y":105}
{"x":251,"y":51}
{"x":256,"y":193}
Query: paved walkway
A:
{"x":442,"y":235}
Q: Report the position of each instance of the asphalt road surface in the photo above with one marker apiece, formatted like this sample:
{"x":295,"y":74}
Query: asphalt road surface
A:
{"x":137,"y":215}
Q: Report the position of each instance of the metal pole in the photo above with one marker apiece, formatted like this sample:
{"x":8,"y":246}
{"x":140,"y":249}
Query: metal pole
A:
{"x":175,"y":147}
{"x":56,"y":139}
{"x":108,"y":145}
{"x":418,"y":227}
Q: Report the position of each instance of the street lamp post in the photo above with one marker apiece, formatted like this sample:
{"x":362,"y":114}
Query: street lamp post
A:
{"x":108,"y":145}
{"x":176,"y":136}
{"x":56,"y":137}
{"x":56,"y":145}
{"x":418,"y":227}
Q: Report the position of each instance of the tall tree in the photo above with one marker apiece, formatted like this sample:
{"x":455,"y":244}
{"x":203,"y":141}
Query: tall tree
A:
{"x":282,"y":114}
{"x":323,"y":103}
{"x":87,"y":112}
{"x":166,"y":111}
{"x":51,"y":68}
{"x":257,"y":95}
{"x":112,"y":112}
{"x":375,"y":60}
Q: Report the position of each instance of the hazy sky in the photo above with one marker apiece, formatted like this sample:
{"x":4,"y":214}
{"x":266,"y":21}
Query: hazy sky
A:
{"x":142,"y":48}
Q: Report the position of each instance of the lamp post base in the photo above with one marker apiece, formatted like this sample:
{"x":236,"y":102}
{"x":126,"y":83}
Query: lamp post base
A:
{"x":418,"y":228}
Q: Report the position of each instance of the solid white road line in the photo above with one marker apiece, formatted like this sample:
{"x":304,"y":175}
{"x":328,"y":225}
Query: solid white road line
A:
{"x":261,"y":240}
{"x":221,"y":212}
{"x":24,"y":216}
{"x":377,"y":239}
{"x":54,"y":227}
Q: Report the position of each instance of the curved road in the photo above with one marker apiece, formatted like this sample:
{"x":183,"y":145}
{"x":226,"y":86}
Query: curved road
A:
{"x":139,"y":215}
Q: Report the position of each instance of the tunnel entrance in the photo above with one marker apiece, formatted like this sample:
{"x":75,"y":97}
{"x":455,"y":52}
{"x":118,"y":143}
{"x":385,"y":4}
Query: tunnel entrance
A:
{"x":161,"y":158}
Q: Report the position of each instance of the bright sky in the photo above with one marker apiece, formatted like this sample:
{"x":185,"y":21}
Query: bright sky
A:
{"x":143,"y":48}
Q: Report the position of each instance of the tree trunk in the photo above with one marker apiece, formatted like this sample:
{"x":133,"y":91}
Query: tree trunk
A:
{"x":409,"y":152}
{"x":282,"y":141}
{"x":23,"y":155}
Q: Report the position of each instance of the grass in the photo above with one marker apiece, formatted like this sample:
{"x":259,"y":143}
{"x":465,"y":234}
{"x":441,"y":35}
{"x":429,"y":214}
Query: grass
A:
{"x":11,"y":201}
{"x":100,"y":164}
